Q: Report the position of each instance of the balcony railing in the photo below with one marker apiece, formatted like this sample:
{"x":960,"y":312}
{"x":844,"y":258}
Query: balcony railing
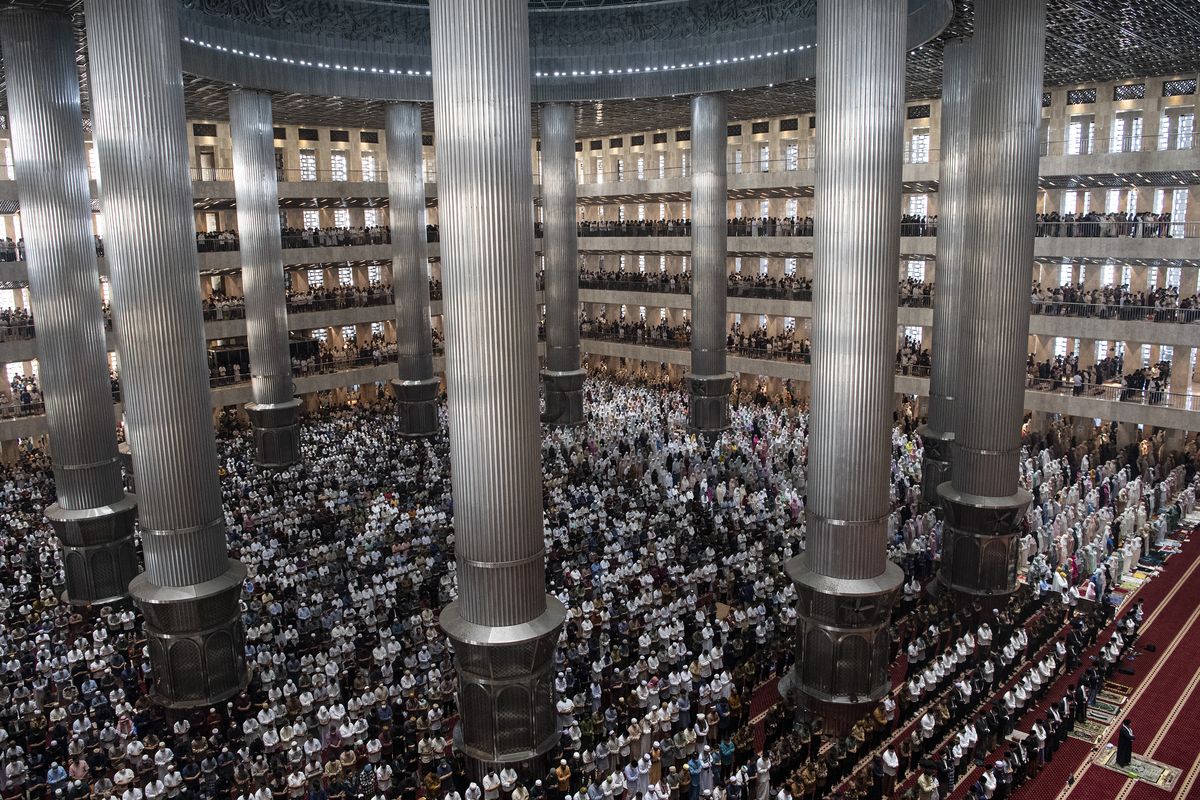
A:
{"x":1116,"y":311}
{"x":12,"y":331}
{"x":1111,"y":227}
{"x":1181,"y":401}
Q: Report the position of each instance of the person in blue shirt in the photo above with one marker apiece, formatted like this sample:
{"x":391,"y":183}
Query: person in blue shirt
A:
{"x":694,"y":769}
{"x":56,"y":776}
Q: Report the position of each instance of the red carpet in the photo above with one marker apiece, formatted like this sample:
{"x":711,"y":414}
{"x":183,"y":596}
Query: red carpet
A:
{"x":1169,"y":670}
{"x":1179,"y":747}
{"x":1154,"y":704}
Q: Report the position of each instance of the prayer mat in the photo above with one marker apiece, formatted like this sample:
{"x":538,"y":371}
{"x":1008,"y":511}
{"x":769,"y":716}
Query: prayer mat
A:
{"x":1106,"y":707}
{"x":1117,"y":688}
{"x":1100,"y":716}
{"x":1112,"y":698}
{"x":1141,"y":768}
{"x":1090,"y":732}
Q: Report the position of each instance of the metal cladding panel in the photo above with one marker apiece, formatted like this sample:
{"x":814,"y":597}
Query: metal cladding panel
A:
{"x":52,"y":183}
{"x":406,"y":212}
{"x":255,"y":186}
{"x":952,"y":203}
{"x":481,"y":108}
{"x":560,"y":243}
{"x":860,"y":102}
{"x":138,"y":120}
{"x":710,"y":283}
{"x":994,"y":314}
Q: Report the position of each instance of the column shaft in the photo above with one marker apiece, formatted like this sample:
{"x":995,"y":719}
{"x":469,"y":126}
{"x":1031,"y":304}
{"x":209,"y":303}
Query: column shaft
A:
{"x":415,"y":386}
{"x":953,"y":192}
{"x":255,"y":184}
{"x":93,"y":516}
{"x":503,"y":625}
{"x":710,"y":382}
{"x":983,"y":503}
{"x":190,"y":591}
{"x":846,"y":584}
{"x":562,"y":378}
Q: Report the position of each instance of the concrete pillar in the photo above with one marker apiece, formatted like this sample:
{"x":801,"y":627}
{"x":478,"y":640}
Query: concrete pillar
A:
{"x":562,"y":377}
{"x":983,"y":503}
{"x":709,"y":380}
{"x":190,"y":592}
{"x":275,"y":411}
{"x":503,"y":625}
{"x":93,"y":516}
{"x":847,"y":586}
{"x":415,"y":385}
{"x":1181,"y":369}
{"x":938,"y":434}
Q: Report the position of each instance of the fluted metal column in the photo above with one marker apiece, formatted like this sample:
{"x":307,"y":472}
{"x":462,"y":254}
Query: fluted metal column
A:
{"x":190,"y":591}
{"x":274,"y":412}
{"x":846,"y":583}
{"x":504,"y":626}
{"x":938,"y":434}
{"x":415,"y":385}
{"x":983,"y":503}
{"x":562,"y":377}
{"x":709,"y":380}
{"x":93,"y":516}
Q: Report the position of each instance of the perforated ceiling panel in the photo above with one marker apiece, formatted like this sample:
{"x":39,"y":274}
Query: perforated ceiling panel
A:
{"x":1087,"y":41}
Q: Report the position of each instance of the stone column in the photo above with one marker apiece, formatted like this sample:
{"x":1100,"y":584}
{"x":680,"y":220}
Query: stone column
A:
{"x":847,"y":586}
{"x":190,"y":591}
{"x":275,"y":409}
{"x":415,"y":385}
{"x":93,"y":516}
{"x":938,"y":433}
{"x":1181,"y":367}
{"x":709,"y":379}
{"x":562,"y":377}
{"x":503,"y":625}
{"x":983,"y":503}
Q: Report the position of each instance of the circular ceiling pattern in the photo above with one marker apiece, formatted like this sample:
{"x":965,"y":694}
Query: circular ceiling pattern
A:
{"x":579,"y":49}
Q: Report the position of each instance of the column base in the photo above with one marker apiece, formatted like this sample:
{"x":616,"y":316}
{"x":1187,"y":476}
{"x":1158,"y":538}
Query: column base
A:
{"x":936,"y":464}
{"x":843,"y":641}
{"x":276,"y":432}
{"x":981,"y":541}
{"x":126,"y":456}
{"x":708,"y":406}
{"x":99,"y":554}
{"x":564,"y":397}
{"x":507,"y":713}
{"x":196,"y":639}
{"x":417,"y":406}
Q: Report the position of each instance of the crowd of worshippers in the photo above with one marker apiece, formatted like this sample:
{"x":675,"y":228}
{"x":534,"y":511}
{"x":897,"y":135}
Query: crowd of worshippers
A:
{"x":910,"y":225}
{"x":15,"y":323}
{"x":757,"y":343}
{"x":912,"y":292}
{"x":1142,"y":385}
{"x":12,"y":251}
{"x":673,"y":282}
{"x":967,"y":685}
{"x":1162,"y":304}
{"x":912,"y":358}
{"x":1145,"y":225}
{"x":22,"y":396}
{"x":219,"y":305}
{"x":320,"y":298}
{"x":669,"y":556}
